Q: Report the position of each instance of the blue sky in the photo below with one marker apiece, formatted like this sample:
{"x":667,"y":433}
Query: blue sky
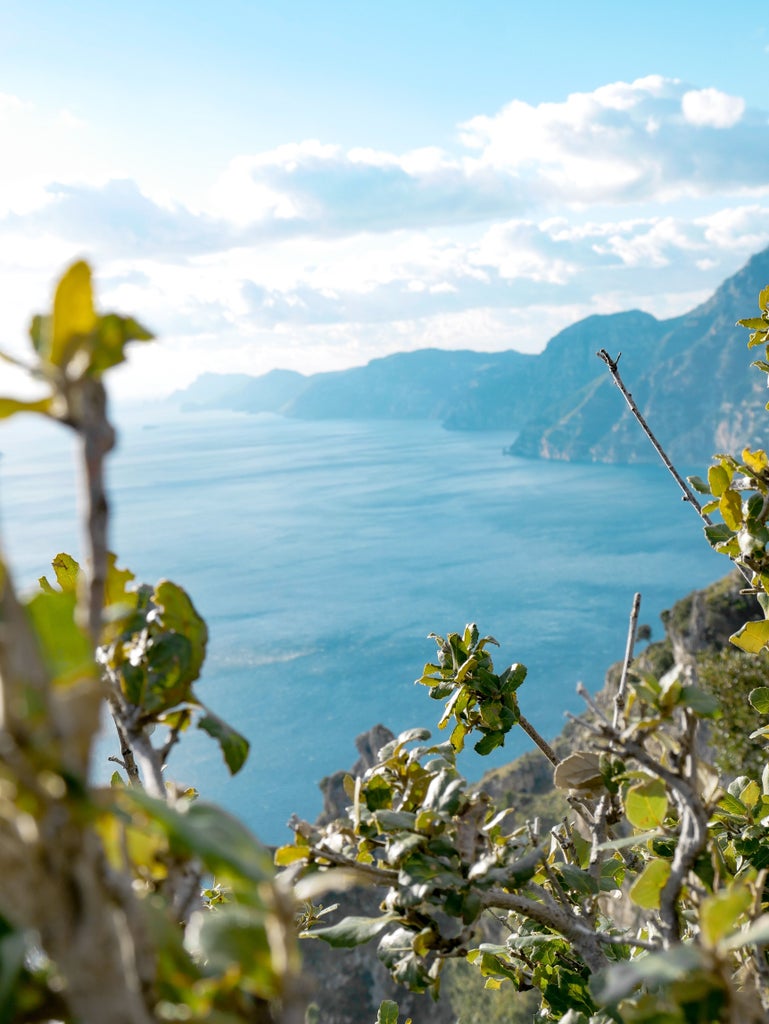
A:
{"x":311,"y":185}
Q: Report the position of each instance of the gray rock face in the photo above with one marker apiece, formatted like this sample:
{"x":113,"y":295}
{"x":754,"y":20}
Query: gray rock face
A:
{"x":690,"y":376}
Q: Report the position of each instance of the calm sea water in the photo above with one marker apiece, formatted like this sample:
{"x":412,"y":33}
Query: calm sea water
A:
{"x":322,"y":554}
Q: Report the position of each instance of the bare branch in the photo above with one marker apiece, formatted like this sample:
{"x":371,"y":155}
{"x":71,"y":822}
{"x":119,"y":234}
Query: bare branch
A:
{"x":543,"y":745}
{"x":688,"y":494}
{"x":558,"y":918}
{"x":619,"y":697}
{"x":687,"y":491}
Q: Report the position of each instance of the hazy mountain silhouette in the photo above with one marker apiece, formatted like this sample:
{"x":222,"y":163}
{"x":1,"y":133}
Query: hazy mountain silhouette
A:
{"x":690,"y":376}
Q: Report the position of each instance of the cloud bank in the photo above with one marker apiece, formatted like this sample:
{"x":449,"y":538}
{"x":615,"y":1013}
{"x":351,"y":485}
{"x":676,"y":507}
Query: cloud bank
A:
{"x":640,"y":194}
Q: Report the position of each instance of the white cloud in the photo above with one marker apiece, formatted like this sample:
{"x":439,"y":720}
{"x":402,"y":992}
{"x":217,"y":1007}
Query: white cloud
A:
{"x":709,"y":108}
{"x":311,"y":255}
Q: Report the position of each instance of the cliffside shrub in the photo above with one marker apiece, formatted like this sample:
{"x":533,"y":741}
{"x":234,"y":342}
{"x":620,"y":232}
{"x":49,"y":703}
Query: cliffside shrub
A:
{"x":138,"y":902}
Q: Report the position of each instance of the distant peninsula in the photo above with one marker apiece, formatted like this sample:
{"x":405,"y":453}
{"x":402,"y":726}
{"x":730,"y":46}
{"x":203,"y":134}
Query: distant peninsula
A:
{"x":690,"y":375}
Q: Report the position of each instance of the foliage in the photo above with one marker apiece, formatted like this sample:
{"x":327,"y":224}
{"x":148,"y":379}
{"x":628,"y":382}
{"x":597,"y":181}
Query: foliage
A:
{"x":137,"y":902}
{"x":648,"y":902}
{"x":134,"y":902}
{"x":731,"y":675}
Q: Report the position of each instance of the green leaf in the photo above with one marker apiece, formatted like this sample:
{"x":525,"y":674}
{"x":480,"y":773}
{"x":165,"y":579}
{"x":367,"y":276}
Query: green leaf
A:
{"x":490,"y":742}
{"x":74,"y":316}
{"x":731,"y":805}
{"x":730,"y":507}
{"x":224,"y":845}
{"x":578,"y":880}
{"x":698,"y":484}
{"x":752,"y":637}
{"x":67,"y":571}
{"x":289,"y":854}
{"x":179,"y":615}
{"x":720,"y":912}
{"x":718,"y":533}
{"x":759,"y":698}
{"x":645,"y":891}
{"x":392,"y":821}
{"x":756,"y":461}
{"x":65,"y":648}
{"x":646,"y":804}
{"x":234,"y":746}
{"x":353,"y":931}
{"x":112,"y":335}
{"x":10,"y":406}
{"x":512,"y":677}
{"x":117,"y":582}
{"x":458,"y":734}
{"x":754,"y":323}
{"x":718,"y":480}
{"x":377,"y":793}
{"x":705,"y":704}
{"x":169,"y":676}
{"x":235,"y":939}
{"x":387,"y":1013}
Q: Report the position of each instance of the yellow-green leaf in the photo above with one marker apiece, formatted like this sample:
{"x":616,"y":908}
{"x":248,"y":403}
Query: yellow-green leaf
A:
{"x":74,"y":316}
{"x":752,"y":637}
{"x":759,"y":698}
{"x":730,"y":507}
{"x":65,"y":648}
{"x":10,"y":406}
{"x":718,"y":480}
{"x":751,"y":794}
{"x":116,"y":587}
{"x":67,"y":571}
{"x":719,"y":913}
{"x":755,"y":461}
{"x":285,"y":855}
{"x":645,"y":891}
{"x":180,"y":615}
{"x":646,"y":804}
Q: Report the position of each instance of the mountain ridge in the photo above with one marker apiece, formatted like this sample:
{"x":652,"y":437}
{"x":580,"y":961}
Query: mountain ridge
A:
{"x":690,"y":376}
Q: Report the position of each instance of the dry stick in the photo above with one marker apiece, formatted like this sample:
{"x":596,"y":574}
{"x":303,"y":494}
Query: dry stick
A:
{"x":687,"y":491}
{"x":688,"y":494}
{"x":619,"y":697}
{"x":543,"y":745}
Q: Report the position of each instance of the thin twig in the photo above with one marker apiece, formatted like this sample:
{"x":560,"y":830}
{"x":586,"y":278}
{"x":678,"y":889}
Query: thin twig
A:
{"x":583,"y":693}
{"x":687,"y":491}
{"x":542,"y":743}
{"x":688,"y":494}
{"x":619,"y":697}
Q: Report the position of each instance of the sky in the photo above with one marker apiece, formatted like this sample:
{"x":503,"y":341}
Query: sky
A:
{"x":311,"y":185}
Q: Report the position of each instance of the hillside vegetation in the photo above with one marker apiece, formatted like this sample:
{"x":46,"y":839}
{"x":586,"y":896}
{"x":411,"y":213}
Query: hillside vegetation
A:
{"x":630,"y":887}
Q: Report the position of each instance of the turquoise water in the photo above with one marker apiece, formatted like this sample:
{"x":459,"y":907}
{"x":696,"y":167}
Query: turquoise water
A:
{"x":322,"y":554}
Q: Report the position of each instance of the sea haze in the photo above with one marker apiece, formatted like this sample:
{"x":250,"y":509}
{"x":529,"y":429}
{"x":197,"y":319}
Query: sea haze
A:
{"x":322,"y":554}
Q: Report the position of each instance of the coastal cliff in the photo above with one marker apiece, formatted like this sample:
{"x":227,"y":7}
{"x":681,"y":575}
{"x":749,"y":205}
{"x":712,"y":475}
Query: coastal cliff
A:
{"x":690,"y":376}
{"x":348,"y":985}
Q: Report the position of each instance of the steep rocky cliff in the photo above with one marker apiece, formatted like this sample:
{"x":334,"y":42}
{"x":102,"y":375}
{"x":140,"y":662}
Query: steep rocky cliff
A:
{"x":350,"y":984}
{"x":690,"y":376}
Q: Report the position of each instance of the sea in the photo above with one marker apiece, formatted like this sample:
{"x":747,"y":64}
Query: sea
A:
{"x":323,"y":554}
